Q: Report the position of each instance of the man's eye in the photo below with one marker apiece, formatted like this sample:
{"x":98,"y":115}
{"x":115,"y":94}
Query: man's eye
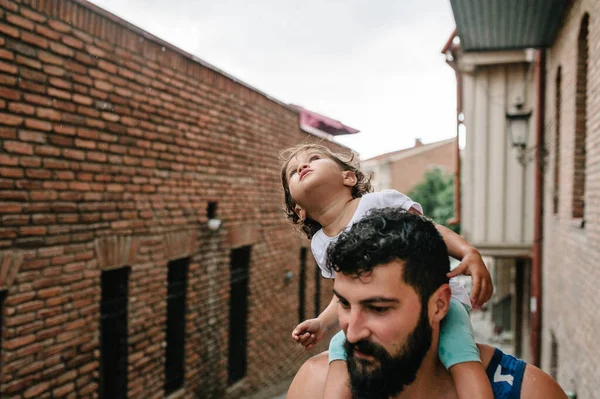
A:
{"x":344,"y":304}
{"x":379,"y":309}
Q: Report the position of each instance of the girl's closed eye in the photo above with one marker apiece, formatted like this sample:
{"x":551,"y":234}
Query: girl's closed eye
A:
{"x":314,"y":157}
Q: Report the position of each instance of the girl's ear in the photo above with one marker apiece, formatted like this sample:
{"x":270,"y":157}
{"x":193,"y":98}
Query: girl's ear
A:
{"x":350,"y":178}
{"x":300,"y":212}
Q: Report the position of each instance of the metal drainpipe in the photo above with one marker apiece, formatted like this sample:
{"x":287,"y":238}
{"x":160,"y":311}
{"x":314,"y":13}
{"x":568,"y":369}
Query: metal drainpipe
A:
{"x":457,"y":166}
{"x":457,"y":193}
{"x":457,"y":205}
{"x":536,"y":264}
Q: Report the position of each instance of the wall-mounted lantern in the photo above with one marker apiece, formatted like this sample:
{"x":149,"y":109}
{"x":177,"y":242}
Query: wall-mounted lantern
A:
{"x":214,"y":224}
{"x":518,"y":127}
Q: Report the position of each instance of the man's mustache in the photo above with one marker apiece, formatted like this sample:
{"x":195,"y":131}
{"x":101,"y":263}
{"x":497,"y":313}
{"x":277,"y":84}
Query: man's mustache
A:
{"x":365,"y":347}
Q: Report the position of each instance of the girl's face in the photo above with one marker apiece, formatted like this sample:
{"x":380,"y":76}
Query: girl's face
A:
{"x":309,"y":172}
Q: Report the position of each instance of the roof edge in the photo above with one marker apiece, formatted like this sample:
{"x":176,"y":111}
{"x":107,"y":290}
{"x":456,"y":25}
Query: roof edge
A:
{"x":156,"y":39}
{"x":408,"y":152}
{"x":449,"y":42}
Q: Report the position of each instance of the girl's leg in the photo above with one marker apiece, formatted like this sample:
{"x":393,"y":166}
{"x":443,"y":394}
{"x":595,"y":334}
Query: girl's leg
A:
{"x":459,"y":354}
{"x":337,"y":384}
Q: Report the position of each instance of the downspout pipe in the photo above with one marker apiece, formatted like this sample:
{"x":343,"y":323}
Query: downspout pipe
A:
{"x":457,"y":182}
{"x":457,"y":166}
{"x":538,"y":233}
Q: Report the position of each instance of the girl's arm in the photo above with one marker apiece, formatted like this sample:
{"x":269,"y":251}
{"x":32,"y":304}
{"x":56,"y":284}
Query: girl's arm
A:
{"x":471,"y":264}
{"x":309,"y":332}
{"x":329,"y":316}
{"x":458,"y":247}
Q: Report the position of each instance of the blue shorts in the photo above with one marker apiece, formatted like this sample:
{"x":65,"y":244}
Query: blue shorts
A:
{"x":506,"y":375}
{"x":457,"y":344}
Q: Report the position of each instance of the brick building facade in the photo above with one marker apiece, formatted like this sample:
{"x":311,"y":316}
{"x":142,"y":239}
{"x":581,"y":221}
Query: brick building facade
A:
{"x":564,"y":150}
{"x":115,"y":150}
{"x":571,"y":278}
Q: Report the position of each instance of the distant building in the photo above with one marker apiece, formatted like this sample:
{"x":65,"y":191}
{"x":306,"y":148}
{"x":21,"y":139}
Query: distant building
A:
{"x":404,"y":169}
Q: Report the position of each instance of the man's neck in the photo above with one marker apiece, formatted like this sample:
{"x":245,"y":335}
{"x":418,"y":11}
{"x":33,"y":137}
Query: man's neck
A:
{"x":432,"y":381}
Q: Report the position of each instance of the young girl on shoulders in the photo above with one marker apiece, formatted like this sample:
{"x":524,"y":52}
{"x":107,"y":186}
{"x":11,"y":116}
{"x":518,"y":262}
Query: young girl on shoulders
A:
{"x":324,"y":194}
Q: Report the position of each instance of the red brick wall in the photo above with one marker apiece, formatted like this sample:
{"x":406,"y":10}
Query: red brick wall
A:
{"x":570,"y":259}
{"x":112,"y":143}
{"x":408,"y":172}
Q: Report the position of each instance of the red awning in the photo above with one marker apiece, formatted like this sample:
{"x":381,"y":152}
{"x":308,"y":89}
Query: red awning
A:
{"x":323,"y":123}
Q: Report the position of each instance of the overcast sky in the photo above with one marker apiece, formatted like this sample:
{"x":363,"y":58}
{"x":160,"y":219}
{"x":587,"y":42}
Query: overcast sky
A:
{"x":375,"y":65}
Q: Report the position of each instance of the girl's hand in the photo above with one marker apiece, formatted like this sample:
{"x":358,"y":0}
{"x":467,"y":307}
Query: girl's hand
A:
{"x":308,"y":333}
{"x":472,"y":265}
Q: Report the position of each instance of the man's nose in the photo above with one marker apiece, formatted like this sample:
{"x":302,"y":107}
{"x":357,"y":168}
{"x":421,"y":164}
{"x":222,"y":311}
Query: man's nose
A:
{"x":354,"y":326}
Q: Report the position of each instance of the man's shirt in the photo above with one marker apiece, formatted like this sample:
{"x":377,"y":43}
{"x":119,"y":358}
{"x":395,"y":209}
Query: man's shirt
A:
{"x":506,"y":375}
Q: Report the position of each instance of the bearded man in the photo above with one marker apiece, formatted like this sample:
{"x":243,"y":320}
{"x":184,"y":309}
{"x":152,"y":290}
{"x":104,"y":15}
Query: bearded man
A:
{"x":393,"y":294}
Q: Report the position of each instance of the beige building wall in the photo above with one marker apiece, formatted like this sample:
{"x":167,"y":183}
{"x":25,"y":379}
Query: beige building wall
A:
{"x":407,"y":173}
{"x":403,"y":170}
{"x":381,"y":176}
{"x":497,"y":191}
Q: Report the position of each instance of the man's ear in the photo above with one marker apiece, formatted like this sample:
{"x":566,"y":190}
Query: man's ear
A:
{"x":300,"y":212}
{"x":439,"y":303}
{"x":350,"y":178}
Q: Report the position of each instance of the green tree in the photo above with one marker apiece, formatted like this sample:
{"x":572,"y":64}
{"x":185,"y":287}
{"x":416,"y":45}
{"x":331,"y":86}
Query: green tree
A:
{"x":435,"y":193}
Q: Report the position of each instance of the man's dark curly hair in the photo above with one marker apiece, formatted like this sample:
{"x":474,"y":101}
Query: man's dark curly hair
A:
{"x":389,"y":234}
{"x":346,"y":161}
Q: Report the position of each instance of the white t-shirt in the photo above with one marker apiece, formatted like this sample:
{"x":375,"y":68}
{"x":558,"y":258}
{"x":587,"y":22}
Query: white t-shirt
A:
{"x":382,"y":199}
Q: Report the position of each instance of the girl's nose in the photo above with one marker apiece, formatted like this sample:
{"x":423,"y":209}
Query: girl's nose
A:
{"x":302,"y":166}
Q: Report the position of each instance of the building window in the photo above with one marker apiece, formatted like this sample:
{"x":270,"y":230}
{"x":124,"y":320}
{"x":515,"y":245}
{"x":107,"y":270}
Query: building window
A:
{"x":175,"y":331}
{"x":579,"y":153}
{"x":557,"y":105}
{"x":554,"y":358}
{"x":113,"y":334}
{"x":238,"y":313}
{"x":302,"y":286}
{"x":211,"y":210}
{"x":3,"y":294}
{"x":317,"y":290}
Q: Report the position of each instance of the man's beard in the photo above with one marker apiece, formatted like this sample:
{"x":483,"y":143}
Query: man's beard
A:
{"x":387,"y":375}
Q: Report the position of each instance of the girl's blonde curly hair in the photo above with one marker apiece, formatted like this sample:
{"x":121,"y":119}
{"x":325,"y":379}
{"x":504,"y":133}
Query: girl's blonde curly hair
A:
{"x":347,"y":162}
